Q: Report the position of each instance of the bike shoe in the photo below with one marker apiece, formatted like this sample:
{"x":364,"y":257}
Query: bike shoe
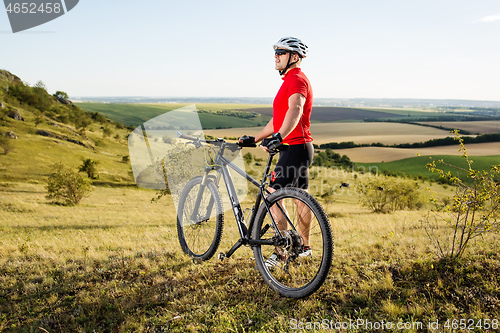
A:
{"x":306,"y":252}
{"x":273,"y":261}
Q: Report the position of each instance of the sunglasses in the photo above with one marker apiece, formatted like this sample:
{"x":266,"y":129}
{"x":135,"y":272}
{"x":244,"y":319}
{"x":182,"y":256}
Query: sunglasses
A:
{"x":280,"y":52}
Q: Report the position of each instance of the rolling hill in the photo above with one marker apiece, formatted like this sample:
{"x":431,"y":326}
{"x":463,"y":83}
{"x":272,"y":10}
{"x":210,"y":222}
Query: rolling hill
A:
{"x":49,"y":129}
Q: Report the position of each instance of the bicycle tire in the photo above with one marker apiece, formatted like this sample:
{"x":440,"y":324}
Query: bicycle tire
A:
{"x":294,"y":276}
{"x":200,"y":238}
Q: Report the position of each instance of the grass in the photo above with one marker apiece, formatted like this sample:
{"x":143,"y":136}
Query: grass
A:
{"x":113,"y":263}
{"x":33,"y":155}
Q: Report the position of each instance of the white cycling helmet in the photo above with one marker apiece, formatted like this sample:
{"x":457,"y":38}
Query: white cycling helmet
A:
{"x":293,"y":44}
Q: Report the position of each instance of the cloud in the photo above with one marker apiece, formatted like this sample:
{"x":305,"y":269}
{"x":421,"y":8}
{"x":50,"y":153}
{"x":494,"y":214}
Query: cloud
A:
{"x":490,"y":18}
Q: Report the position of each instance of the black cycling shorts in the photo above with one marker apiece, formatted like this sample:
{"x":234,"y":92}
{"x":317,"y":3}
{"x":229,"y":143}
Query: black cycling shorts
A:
{"x":292,"y":168}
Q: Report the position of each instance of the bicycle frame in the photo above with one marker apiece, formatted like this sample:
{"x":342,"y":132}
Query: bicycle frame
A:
{"x":222,"y":165}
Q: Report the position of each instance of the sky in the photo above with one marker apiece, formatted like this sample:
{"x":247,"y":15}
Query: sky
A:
{"x":432,"y":49}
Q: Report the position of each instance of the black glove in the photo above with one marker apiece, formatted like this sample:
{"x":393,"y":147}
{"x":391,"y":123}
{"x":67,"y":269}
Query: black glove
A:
{"x":273,"y":142}
{"x":247,"y":141}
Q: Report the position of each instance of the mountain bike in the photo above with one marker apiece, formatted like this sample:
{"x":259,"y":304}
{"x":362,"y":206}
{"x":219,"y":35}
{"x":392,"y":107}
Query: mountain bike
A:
{"x":280,"y":225}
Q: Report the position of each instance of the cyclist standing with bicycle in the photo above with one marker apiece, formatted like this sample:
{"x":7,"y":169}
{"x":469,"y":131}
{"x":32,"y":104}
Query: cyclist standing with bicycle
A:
{"x":290,"y":124}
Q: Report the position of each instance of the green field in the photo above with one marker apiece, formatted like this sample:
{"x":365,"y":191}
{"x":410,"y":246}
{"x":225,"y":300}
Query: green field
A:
{"x":210,"y":114}
{"x":415,"y":166}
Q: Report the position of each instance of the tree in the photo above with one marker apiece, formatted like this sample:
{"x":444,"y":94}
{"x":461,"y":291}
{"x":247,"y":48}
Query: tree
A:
{"x":66,"y":186}
{"x":61,"y":94}
{"x":345,"y":160}
{"x":40,"y":85}
{"x":42,"y":100}
{"x":318,"y":160}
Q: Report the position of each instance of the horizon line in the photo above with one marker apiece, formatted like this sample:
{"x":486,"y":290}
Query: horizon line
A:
{"x":271,"y":98}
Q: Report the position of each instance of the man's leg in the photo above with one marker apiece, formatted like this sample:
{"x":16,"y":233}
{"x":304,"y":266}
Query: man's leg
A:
{"x":304,"y":213}
{"x":277,"y":214}
{"x":305,"y":217}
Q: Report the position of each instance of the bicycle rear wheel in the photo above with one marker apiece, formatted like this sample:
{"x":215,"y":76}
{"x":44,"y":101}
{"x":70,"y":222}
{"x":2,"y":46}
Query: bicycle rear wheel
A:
{"x":287,"y":268}
{"x":200,"y":232}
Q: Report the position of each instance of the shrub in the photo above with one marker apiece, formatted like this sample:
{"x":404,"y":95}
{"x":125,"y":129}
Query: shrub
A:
{"x":5,"y":143}
{"x":248,"y":157}
{"x":38,"y":120}
{"x":329,"y":198}
{"x":384,"y":194}
{"x":106,"y":132}
{"x":67,"y":187}
{"x":89,"y":166}
{"x":474,"y":209}
{"x":167,"y":171}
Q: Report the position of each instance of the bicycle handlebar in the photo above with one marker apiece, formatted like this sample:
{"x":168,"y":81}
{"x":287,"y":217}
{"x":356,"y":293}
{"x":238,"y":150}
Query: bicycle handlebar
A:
{"x":197,"y":141}
{"x":187,"y":137}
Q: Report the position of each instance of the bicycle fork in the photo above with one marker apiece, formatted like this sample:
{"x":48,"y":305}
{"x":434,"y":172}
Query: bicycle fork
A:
{"x":196,"y":216}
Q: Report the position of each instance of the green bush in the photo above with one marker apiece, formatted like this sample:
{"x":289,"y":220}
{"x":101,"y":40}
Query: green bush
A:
{"x":248,"y":157}
{"x":67,"y":187}
{"x":106,"y":132}
{"x":5,"y":143}
{"x":384,"y":194}
{"x":89,"y":166}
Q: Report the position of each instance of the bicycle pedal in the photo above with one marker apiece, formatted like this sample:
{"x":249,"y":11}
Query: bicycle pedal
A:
{"x":222,"y":256}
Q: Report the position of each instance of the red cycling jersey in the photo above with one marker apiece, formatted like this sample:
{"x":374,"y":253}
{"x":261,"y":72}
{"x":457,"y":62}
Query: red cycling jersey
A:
{"x":294,"y":81}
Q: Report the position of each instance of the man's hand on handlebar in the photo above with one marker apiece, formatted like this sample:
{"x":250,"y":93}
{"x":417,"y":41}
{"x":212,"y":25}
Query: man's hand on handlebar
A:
{"x":247,"y":141}
{"x":271,"y":143}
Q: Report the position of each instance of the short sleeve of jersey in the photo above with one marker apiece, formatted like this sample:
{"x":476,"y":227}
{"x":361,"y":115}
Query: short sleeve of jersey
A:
{"x":297,"y":85}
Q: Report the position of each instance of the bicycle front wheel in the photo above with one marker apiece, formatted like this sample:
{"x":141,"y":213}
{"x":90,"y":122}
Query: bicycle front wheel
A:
{"x":299,"y":264}
{"x":199,"y":226}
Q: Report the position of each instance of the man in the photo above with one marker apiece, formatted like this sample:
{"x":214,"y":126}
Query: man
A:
{"x":290,"y":124}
